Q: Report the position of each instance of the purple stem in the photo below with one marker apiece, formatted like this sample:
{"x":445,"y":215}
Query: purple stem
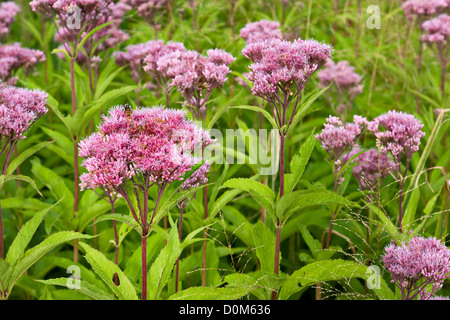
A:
{"x":177,"y":271}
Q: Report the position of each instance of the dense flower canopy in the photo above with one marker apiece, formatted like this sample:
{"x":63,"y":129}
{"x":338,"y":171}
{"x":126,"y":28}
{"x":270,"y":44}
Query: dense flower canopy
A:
{"x":397,"y":132}
{"x":437,"y":29}
{"x":19,"y":109}
{"x":371,"y":166}
{"x":424,"y":260}
{"x":260,"y":31}
{"x":280,"y":64}
{"x":13,"y":57}
{"x":336,"y":137}
{"x":8,"y":12}
{"x":156,"y":143}
{"x":423,"y":8}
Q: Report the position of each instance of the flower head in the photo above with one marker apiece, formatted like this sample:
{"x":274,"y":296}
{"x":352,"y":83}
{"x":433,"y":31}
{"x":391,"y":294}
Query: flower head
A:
{"x":260,"y":31}
{"x":159,"y":144}
{"x":397,"y":132}
{"x":437,"y":29}
{"x":13,"y":57}
{"x":343,"y":75}
{"x":336,"y":137}
{"x":194,"y":75}
{"x":8,"y":12}
{"x":423,"y":7}
{"x":147,"y":9}
{"x":280,"y":64}
{"x":372,"y":166}
{"x":420,"y":261}
{"x":19,"y":109}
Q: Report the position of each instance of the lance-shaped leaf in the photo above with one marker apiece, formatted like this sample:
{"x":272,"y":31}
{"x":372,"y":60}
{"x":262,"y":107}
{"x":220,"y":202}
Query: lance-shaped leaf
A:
{"x":159,"y":272}
{"x":297,"y":200}
{"x":84,"y":287}
{"x":106,"y":269}
{"x":24,"y":236}
{"x":32,"y":255}
{"x":261,"y":193}
{"x":298,"y":164}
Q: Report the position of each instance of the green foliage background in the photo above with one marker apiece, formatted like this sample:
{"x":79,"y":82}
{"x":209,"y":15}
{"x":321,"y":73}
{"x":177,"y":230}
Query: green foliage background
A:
{"x":240,"y":246}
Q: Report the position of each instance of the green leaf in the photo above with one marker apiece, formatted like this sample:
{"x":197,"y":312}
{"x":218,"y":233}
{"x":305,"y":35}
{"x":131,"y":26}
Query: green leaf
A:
{"x":122,"y":218}
{"x":313,"y":244}
{"x":90,"y":34}
{"x":56,"y":185}
{"x":24,"y":237}
{"x":161,"y":269}
{"x":260,"y":192}
{"x":84,"y":287}
{"x":298,"y":163}
{"x":5,"y":275}
{"x":85,"y":114}
{"x":5,"y":178}
{"x":34,"y":254}
{"x":206,"y":293}
{"x":106,"y":270}
{"x":333,"y":270}
{"x":107,"y":74}
{"x":385,"y":223}
{"x":265,"y":246}
{"x":261,"y":110}
{"x":305,"y":109}
{"x":247,"y":282}
{"x":411,"y":208}
{"x":25,"y":155}
{"x":296,"y":200}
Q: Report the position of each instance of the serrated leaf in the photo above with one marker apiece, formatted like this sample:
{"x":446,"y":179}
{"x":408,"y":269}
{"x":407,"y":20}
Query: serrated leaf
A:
{"x":206,"y":293}
{"x":34,"y":254}
{"x":260,"y":192}
{"x":5,"y":178}
{"x":24,"y":237}
{"x":25,"y":155}
{"x":56,"y":185}
{"x":305,"y":108}
{"x":299,"y":162}
{"x":121,"y":218}
{"x":84,"y":287}
{"x":106,"y":270}
{"x":337,"y":269}
{"x":258,"y":109}
{"x":159,"y":272}
{"x":264,"y":240}
{"x":296,"y":200}
{"x":313,"y":244}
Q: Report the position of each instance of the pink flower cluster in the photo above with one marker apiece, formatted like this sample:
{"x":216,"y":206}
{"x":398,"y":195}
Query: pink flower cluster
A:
{"x":437,"y":29}
{"x":157,"y":144}
{"x":75,"y":18}
{"x":144,"y":56}
{"x":416,"y":264}
{"x":397,"y":132}
{"x":19,"y":109}
{"x":343,"y":75}
{"x":13,"y":57}
{"x":423,"y":7}
{"x":147,"y":9}
{"x":280,"y":64}
{"x":196,"y":76}
{"x":260,"y":31}
{"x":372,"y":166}
{"x":337,"y":138}
{"x":8,"y":12}
{"x":105,"y":38}
{"x":197,"y":178}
